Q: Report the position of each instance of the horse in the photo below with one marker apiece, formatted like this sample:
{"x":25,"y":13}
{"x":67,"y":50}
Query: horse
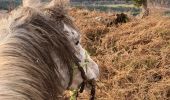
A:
{"x":40,"y":53}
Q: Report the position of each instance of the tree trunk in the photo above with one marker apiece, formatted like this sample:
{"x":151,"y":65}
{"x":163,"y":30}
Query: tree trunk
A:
{"x":145,"y":10}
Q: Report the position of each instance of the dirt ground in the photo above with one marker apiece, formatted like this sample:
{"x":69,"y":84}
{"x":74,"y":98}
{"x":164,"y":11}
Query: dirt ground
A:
{"x":134,"y":57}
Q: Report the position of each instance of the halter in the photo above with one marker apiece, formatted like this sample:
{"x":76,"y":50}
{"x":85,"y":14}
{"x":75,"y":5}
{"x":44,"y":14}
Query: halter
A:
{"x":85,"y":81}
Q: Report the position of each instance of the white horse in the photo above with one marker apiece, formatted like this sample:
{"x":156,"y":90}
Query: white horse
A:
{"x":40,"y":53}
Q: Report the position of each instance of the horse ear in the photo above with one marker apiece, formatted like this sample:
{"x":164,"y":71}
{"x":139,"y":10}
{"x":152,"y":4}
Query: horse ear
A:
{"x":30,"y":3}
{"x":56,"y":3}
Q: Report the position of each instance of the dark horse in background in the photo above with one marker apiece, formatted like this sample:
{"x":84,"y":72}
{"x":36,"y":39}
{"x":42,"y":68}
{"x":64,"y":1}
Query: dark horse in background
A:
{"x":40,"y":53}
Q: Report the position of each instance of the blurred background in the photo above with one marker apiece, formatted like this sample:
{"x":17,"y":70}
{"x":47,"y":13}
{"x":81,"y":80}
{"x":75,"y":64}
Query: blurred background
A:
{"x":133,"y":52}
{"x":98,"y":5}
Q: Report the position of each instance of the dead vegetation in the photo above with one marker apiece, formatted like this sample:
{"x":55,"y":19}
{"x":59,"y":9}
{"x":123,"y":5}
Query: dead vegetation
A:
{"x":134,"y":58}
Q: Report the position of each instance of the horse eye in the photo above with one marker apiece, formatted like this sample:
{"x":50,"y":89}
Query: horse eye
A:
{"x":77,"y":42}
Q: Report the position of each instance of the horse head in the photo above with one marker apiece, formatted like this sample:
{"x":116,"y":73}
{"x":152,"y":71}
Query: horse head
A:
{"x":40,"y":53}
{"x":89,"y":66}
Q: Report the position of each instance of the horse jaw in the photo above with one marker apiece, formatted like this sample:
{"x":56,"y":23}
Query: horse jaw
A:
{"x":61,"y":71}
{"x":90,"y":67}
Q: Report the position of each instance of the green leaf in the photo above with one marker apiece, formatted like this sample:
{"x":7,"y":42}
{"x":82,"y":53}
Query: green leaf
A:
{"x":73,"y":94}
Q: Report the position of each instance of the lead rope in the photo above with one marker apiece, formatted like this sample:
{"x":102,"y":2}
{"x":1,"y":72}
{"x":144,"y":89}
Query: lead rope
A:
{"x":85,"y":81}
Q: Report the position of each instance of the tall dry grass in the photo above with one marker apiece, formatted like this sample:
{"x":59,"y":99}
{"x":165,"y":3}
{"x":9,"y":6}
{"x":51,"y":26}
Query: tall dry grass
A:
{"x":134,"y":58}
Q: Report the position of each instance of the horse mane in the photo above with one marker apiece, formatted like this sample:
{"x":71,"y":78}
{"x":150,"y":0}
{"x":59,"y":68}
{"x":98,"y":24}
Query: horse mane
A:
{"x":29,"y":39}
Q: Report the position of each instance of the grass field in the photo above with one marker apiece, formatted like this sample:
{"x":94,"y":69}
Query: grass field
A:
{"x":111,"y":8}
{"x":134,"y":58}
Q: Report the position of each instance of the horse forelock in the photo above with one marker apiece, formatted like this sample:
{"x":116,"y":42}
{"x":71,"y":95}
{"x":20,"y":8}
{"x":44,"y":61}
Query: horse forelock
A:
{"x":28,"y":69}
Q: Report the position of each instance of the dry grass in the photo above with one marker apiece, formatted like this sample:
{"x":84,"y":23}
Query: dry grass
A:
{"x":134,"y":58}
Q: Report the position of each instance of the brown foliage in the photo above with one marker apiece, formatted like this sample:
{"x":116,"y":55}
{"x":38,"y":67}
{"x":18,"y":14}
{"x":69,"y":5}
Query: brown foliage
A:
{"x":134,"y":58}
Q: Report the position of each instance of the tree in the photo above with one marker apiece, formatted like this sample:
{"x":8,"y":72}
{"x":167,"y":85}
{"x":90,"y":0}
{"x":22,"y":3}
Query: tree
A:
{"x":143,"y":4}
